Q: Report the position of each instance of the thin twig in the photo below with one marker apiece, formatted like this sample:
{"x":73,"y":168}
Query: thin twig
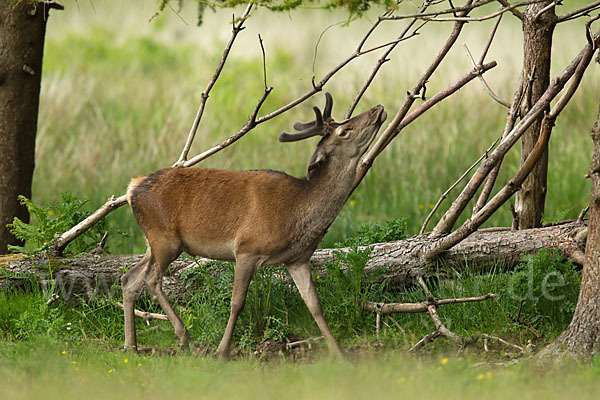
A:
{"x":430,"y":337}
{"x":413,"y":308}
{"x":454,"y":10}
{"x":583,"y":11}
{"x":307,"y":342}
{"x":252,"y":122}
{"x":514,"y":11}
{"x":400,"y":328}
{"x":393,"y":128}
{"x":237,"y":28}
{"x":264,"y":57}
{"x":504,"y":342}
{"x":482,"y":79}
{"x":148,"y":316}
{"x":445,"y":194}
{"x":543,"y":10}
{"x":490,"y":40}
{"x":447,"y":221}
{"x":510,"y":123}
{"x":582,"y":214}
{"x":318,"y":86}
{"x":502,"y":10}
{"x":383,"y":59}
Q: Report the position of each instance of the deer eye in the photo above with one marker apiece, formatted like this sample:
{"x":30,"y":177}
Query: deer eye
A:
{"x":344,"y":132}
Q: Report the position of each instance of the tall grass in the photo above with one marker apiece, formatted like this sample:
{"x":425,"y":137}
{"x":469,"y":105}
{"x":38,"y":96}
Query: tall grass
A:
{"x":119,"y":94}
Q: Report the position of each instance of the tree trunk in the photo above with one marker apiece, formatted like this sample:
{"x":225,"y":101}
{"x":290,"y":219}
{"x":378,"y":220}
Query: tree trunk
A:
{"x":22,"y":31}
{"x":397,"y":262}
{"x":537,"y":32}
{"x":583,"y":334}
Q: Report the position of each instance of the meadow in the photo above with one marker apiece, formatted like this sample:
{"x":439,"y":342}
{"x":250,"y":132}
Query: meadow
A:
{"x":119,"y":94}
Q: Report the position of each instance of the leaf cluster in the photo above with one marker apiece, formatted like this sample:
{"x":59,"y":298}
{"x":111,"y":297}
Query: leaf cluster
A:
{"x":344,"y":289}
{"x":545,"y":286}
{"x":48,"y":220}
{"x":355,"y":8}
{"x":369,"y":233}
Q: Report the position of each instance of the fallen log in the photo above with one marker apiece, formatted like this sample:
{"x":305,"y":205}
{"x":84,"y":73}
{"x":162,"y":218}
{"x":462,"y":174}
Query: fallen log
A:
{"x":398,"y":262}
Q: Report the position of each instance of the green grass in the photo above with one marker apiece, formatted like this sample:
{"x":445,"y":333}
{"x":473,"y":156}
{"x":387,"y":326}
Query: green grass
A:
{"x":43,"y":370}
{"x":119,"y":95}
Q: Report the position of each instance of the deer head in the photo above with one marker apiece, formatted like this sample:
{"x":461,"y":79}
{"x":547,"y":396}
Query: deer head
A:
{"x":344,"y":142}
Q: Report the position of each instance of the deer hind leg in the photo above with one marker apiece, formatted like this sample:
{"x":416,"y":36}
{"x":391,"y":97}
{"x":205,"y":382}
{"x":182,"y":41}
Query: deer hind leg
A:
{"x":131,"y":283}
{"x":245,"y":267}
{"x":301,"y":275}
{"x":162,"y":256}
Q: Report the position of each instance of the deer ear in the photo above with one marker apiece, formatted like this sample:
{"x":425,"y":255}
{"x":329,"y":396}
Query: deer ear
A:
{"x":315,"y":163}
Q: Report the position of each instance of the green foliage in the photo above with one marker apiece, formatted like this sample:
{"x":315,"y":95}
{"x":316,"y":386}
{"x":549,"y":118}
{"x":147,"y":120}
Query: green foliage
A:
{"x":46,"y":221}
{"x":40,"y":320}
{"x":355,"y":8}
{"x":545,"y":287}
{"x":370,"y":233}
{"x":343,"y":291}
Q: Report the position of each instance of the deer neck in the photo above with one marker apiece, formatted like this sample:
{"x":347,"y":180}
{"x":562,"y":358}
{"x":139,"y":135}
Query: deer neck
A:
{"x":326,"y":193}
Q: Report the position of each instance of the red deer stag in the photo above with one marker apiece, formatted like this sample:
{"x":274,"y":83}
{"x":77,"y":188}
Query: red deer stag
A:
{"x":254,"y":218}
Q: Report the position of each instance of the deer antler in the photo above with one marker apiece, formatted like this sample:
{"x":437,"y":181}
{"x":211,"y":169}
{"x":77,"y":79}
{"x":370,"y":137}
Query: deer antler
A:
{"x":312,"y":128}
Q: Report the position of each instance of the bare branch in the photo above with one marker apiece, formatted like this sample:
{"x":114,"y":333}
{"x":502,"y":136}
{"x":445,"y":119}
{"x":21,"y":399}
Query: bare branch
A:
{"x":447,"y":221}
{"x":392,"y":308}
{"x":490,"y":40}
{"x":384,"y":58}
{"x":443,"y":197}
{"x":262,"y":48}
{"x":502,"y":341}
{"x":237,"y":28}
{"x":148,"y":316}
{"x":433,"y":16}
{"x":510,"y":123}
{"x":318,"y":86}
{"x":67,"y":237}
{"x":252,"y":122}
{"x":394,"y":127}
{"x":452,"y":10}
{"x":514,"y":11}
{"x":547,"y":8}
{"x":430,"y":337}
{"x":583,"y":11}
{"x":485,"y":84}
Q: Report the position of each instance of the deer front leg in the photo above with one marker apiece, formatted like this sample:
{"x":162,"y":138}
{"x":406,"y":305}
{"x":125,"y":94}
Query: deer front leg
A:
{"x":245,"y":266}
{"x":301,"y":275}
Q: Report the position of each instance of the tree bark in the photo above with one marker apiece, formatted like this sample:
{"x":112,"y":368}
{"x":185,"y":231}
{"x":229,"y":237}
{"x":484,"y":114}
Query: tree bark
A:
{"x":582,"y":336}
{"x":397,"y":262}
{"x":537,"y":31}
{"x":22,"y":32}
